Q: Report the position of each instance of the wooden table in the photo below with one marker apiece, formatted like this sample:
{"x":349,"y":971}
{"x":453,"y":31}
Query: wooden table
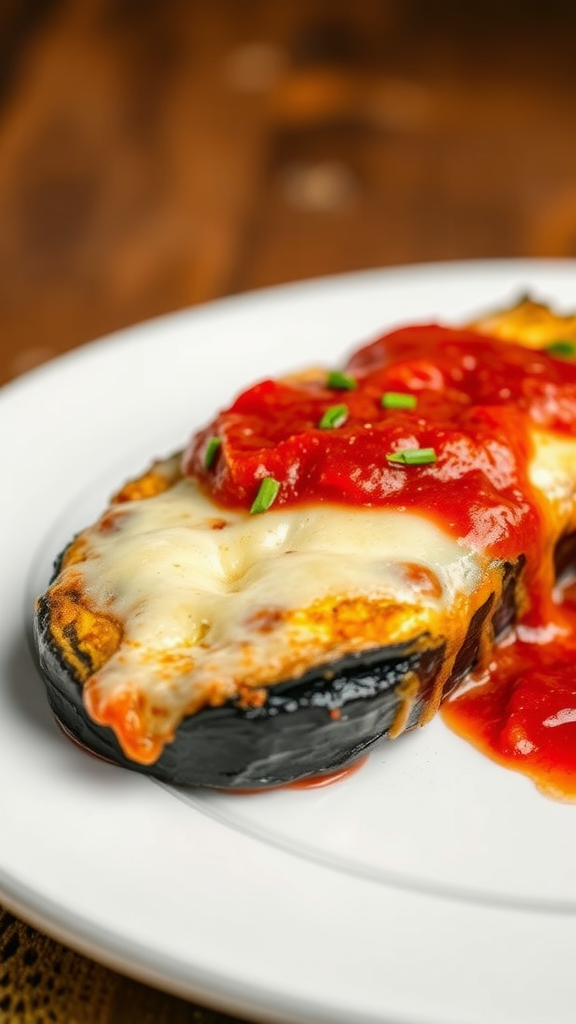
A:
{"x":155,"y":155}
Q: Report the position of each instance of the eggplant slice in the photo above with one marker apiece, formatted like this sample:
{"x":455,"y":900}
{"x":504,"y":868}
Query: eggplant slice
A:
{"x":310,"y":726}
{"x":303,"y":716}
{"x":320,"y":721}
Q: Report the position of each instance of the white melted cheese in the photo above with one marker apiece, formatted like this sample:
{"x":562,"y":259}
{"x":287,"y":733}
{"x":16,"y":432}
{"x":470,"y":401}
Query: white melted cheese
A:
{"x":553,"y":474}
{"x":214,"y":603}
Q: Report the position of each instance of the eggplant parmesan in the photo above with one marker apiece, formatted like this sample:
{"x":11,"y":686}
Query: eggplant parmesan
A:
{"x":326,"y":561}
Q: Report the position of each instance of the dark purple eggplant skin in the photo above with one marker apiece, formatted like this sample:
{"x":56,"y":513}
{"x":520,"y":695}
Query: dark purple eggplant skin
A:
{"x":315,"y":725}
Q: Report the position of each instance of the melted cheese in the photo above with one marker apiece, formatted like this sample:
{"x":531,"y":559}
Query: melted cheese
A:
{"x":553,"y":474}
{"x":214,"y":605}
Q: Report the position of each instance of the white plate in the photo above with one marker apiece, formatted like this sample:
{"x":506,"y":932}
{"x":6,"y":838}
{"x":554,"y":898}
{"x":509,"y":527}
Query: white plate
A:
{"x":432,"y":886}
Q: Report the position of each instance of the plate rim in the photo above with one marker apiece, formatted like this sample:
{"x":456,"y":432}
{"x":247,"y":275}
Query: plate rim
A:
{"x":37,"y":907}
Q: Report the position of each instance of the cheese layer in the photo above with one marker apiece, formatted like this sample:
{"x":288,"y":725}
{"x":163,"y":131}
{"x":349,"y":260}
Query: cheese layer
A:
{"x":217,"y":605}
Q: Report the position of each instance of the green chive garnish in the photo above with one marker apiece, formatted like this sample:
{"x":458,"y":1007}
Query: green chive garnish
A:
{"x":398,"y":400}
{"x":412,"y":456}
{"x":562,"y":348}
{"x":211,"y":451}
{"x":335,"y":416}
{"x":266,"y":495}
{"x":341,"y":381}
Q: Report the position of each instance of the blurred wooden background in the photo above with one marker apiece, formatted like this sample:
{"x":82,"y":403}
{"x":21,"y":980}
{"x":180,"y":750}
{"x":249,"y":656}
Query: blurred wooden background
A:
{"x":160,"y":153}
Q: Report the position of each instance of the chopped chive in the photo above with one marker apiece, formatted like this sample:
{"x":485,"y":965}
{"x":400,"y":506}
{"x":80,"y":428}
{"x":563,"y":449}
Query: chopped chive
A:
{"x":341,"y":381}
{"x":266,"y":495}
{"x":412,"y":456}
{"x":398,"y":400}
{"x":211,"y":451}
{"x":562,"y":348}
{"x":335,"y":416}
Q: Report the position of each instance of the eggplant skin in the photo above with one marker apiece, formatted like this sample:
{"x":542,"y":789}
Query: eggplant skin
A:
{"x":315,"y":725}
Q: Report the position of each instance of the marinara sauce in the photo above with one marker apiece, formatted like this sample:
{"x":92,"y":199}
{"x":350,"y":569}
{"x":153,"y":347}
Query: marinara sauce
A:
{"x":441,"y":422}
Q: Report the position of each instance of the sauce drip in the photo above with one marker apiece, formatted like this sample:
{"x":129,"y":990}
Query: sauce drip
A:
{"x":311,"y":782}
{"x":522,"y":711}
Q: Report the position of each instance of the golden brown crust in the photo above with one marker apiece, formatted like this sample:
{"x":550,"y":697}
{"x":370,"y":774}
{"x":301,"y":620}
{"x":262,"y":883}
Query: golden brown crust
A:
{"x":86,"y":639}
{"x":529,"y":323}
{"x":160,"y":477}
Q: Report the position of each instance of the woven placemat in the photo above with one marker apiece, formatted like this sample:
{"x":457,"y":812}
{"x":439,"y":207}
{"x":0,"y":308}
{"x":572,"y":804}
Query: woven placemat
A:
{"x":44,"y":982}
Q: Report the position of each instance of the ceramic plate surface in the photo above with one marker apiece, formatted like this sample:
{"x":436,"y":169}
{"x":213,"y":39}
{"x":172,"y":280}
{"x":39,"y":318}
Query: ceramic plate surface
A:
{"x":431,"y":887}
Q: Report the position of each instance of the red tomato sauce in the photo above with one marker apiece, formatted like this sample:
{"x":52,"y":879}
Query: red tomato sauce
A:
{"x":475,"y":400}
{"x":475,"y":396}
{"x":522,"y":712}
{"x":312,"y":782}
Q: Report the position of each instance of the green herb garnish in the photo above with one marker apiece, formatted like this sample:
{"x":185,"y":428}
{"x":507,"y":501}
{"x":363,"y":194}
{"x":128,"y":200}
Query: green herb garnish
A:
{"x":398,"y":400}
{"x":562,"y":348}
{"x":211,"y":451}
{"x":341,"y":381}
{"x":334,"y":417}
{"x":412,"y":456}
{"x":266,"y":495}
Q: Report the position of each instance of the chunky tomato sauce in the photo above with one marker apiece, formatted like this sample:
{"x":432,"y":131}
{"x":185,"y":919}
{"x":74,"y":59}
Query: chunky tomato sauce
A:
{"x":474,"y":402}
{"x":475,"y":396}
{"x":522,"y":711}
